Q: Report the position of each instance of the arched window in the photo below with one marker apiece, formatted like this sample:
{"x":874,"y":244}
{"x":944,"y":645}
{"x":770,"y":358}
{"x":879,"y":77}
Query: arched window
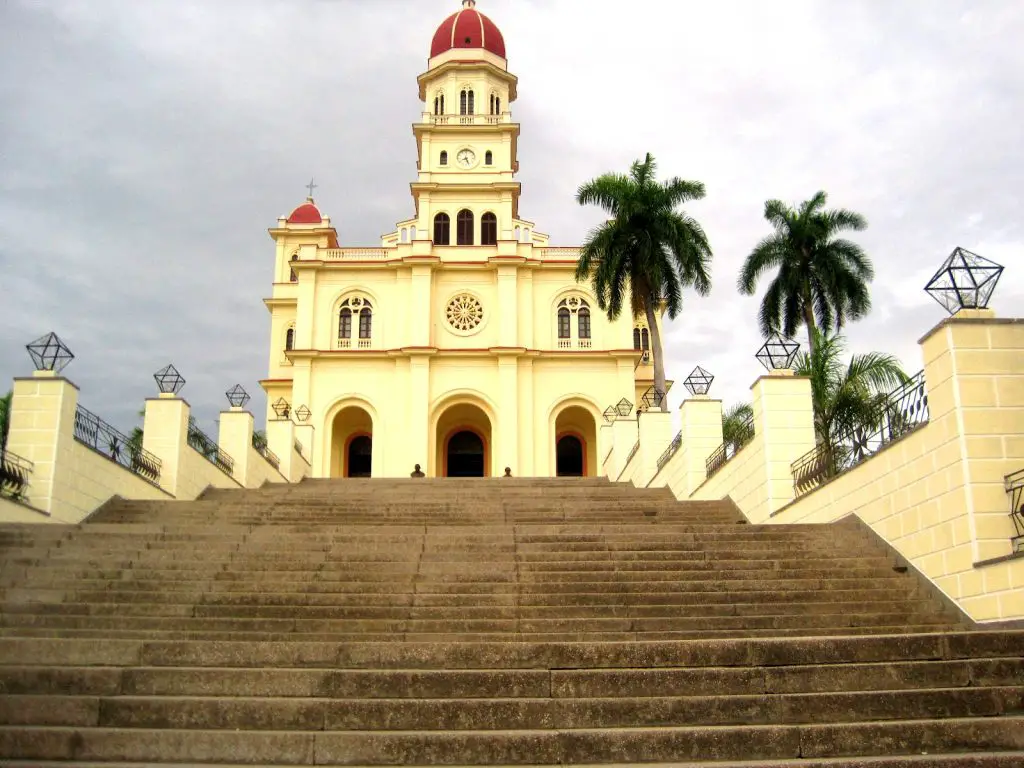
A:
{"x":412,"y":233}
{"x":488,"y":157}
{"x":467,"y":104}
{"x":464,"y":227}
{"x":645,"y":339}
{"x":518,"y":235}
{"x":636,"y":338}
{"x":488,"y":229}
{"x":292,"y":276}
{"x":405,"y":235}
{"x":355,"y":309}
{"x":444,"y":158}
{"x":583,"y":317}
{"x":345,"y":323}
{"x":442,"y":229}
{"x":563,"y":323}
{"x":439,"y":104}
{"x":365,"y":322}
{"x":289,"y":340}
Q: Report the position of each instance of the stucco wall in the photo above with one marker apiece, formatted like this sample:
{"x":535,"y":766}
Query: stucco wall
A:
{"x":197,"y":473}
{"x":260,"y":470}
{"x":12,"y":512}
{"x":742,"y":478}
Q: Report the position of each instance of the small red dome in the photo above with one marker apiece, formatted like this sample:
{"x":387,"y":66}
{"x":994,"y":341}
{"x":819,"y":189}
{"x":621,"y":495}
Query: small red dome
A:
{"x":307,"y":213}
{"x":468,"y":29}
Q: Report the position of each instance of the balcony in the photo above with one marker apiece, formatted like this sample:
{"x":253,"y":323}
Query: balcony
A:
{"x":575,"y":343}
{"x":431,"y":119}
{"x":356,"y":254}
{"x":355,"y":343}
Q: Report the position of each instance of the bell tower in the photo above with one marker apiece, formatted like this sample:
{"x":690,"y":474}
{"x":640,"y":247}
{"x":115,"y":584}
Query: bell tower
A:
{"x":466,"y":193}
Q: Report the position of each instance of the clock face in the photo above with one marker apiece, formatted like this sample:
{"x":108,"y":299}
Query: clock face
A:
{"x":466,"y":158}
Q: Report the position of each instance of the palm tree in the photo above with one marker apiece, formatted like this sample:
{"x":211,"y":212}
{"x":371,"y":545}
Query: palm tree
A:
{"x":736,"y":425}
{"x":822,"y":279}
{"x":5,"y":417}
{"x":848,"y":399}
{"x":647,"y":251}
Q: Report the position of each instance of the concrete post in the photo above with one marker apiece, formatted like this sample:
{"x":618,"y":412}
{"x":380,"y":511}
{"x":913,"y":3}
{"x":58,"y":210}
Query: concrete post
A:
{"x":624,"y":436}
{"x":42,"y":431}
{"x":281,"y":440}
{"x":701,"y":428}
{"x":655,"y":430}
{"x":165,"y":435}
{"x":235,"y":438}
{"x":604,"y":445}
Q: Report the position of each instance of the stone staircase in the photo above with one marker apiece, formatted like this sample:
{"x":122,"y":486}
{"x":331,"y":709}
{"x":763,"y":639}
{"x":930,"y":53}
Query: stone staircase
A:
{"x":485,"y":622}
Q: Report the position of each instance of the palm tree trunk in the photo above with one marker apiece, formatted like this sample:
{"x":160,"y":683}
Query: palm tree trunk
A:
{"x":809,"y":319}
{"x":659,"y":360}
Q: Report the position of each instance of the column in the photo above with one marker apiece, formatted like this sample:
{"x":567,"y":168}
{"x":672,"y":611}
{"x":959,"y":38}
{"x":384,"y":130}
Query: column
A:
{"x":42,"y":429}
{"x":655,"y":430}
{"x":701,"y":430}
{"x":784,"y":423}
{"x":165,"y":435}
{"x":235,"y":438}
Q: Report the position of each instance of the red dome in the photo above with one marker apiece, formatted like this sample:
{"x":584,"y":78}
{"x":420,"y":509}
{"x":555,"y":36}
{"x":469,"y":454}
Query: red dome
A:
{"x":307,"y":213}
{"x":468,"y":29}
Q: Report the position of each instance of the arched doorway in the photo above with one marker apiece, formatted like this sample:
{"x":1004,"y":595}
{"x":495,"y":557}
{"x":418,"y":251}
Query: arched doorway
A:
{"x":351,"y":443}
{"x":575,"y":448}
{"x":359,"y":457}
{"x":463,"y":441}
{"x":464,"y":455}
{"x":569,"y":457}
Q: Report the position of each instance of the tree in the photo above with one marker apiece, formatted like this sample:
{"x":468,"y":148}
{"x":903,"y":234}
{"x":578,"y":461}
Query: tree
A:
{"x":736,"y":425}
{"x":851,"y":397}
{"x":822,"y":279}
{"x":5,"y":417}
{"x":647,"y":251}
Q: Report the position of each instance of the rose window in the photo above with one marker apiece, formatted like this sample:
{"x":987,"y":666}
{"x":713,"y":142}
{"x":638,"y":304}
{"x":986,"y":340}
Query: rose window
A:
{"x":464,"y":313}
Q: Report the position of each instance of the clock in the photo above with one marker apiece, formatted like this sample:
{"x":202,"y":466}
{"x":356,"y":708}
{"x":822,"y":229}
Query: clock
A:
{"x":466,"y":158}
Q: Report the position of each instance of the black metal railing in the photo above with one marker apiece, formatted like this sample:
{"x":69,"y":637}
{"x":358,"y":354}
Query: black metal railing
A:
{"x":94,"y":432}
{"x":721,"y":455}
{"x":14,"y":475}
{"x":259,"y":442}
{"x":1015,"y":490}
{"x":902,"y":411}
{"x":209,"y":450}
{"x":670,"y":451}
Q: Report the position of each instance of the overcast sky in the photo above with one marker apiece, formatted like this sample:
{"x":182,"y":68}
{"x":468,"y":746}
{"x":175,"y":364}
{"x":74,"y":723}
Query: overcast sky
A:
{"x":146,"y":145}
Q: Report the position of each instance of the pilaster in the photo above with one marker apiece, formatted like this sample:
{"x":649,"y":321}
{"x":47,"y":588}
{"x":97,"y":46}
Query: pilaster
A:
{"x":417,"y":435}
{"x":508,"y":429}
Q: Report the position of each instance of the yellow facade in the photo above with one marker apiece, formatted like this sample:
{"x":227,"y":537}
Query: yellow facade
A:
{"x":464,"y":336}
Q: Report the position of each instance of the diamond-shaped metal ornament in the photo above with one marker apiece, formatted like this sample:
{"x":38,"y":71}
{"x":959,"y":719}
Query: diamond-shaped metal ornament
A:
{"x":282,"y":408}
{"x":698,"y":382}
{"x":237,"y":396}
{"x":609,"y":414}
{"x":653,"y":398}
{"x":169,"y":381}
{"x":964,"y":281}
{"x":778,"y":354}
{"x":49,"y":353}
{"x":624,"y":407}
{"x":302,"y":413}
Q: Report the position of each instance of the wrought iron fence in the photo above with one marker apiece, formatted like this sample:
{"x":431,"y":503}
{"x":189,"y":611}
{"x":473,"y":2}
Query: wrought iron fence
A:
{"x":728,"y":449}
{"x":94,"y":432}
{"x":210,"y":451}
{"x":902,"y":411}
{"x":259,"y":442}
{"x":1015,"y":490}
{"x":14,"y":474}
{"x":670,"y":451}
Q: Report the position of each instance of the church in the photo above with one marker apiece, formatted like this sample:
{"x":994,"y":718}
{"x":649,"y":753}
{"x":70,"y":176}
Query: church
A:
{"x":462,"y":343}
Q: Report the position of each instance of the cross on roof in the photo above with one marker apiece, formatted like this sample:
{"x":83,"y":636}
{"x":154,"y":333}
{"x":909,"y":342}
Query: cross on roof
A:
{"x":311,"y":186}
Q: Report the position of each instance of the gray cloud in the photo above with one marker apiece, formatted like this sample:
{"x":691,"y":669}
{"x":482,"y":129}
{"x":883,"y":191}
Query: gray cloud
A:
{"x":146,"y":147}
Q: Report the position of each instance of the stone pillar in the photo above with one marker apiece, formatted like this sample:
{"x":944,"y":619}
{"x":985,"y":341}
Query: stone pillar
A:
{"x":974,"y":377}
{"x":604,"y":444}
{"x":165,"y":435}
{"x":784,"y":423}
{"x":701,"y":428}
{"x":281,"y":440}
{"x":235,"y":438}
{"x":655,"y":434}
{"x":42,"y":431}
{"x":624,"y":436}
